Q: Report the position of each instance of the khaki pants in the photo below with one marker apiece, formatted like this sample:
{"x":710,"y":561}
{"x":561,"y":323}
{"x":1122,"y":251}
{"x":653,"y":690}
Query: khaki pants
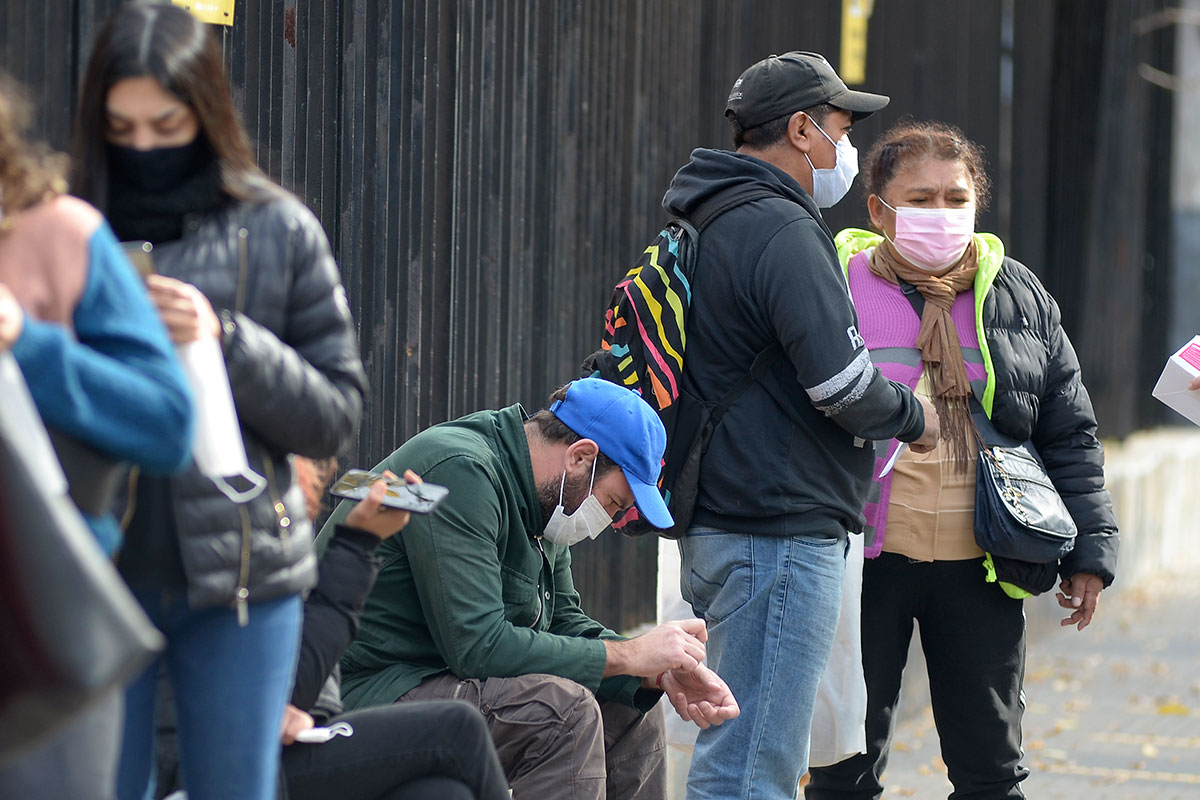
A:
{"x":556,"y":741}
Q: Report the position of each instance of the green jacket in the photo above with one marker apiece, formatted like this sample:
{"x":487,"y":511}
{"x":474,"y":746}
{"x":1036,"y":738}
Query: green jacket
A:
{"x":467,"y":589}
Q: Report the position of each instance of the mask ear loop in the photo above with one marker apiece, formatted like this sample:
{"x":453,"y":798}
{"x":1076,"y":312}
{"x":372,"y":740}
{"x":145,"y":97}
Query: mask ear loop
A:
{"x":891,"y":241}
{"x":562,"y":483}
{"x":257,"y":484}
{"x":827,"y":136}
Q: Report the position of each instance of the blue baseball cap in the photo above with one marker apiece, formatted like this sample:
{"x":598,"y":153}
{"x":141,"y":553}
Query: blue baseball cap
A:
{"x":628,"y":431}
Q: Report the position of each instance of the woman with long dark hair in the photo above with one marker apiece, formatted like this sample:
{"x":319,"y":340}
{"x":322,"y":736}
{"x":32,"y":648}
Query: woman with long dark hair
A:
{"x":159,"y":148}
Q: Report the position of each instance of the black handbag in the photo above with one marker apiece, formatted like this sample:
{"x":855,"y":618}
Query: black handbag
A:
{"x":70,"y":630}
{"x":1018,"y":512}
{"x":1020,"y":519}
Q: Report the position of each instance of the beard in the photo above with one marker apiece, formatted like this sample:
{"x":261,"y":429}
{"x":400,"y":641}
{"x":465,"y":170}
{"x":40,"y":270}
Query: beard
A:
{"x":574,"y":492}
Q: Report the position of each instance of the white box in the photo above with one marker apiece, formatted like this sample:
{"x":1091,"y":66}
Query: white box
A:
{"x":1172,"y":387}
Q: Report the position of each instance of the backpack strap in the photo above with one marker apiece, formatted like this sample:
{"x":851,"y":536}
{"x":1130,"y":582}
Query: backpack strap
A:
{"x":718,"y":204}
{"x":765,"y":359}
{"x":697,"y":221}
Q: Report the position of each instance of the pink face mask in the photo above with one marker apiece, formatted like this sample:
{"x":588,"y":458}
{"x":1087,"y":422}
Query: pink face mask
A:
{"x":932,"y":238}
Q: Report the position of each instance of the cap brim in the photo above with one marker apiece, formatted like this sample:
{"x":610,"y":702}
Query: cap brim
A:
{"x":650,"y":505}
{"x":860,"y":104}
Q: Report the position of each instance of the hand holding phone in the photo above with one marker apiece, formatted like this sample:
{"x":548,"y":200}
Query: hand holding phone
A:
{"x":414,"y":496}
{"x":140,"y":254}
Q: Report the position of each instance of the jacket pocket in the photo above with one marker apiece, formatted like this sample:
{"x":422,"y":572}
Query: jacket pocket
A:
{"x":520,"y":596}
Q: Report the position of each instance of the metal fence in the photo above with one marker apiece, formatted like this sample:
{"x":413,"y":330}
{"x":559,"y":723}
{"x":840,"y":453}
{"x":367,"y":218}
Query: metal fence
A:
{"x":486,"y":169}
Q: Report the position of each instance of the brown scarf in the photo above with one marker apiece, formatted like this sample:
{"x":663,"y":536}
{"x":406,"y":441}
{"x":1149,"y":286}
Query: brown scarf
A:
{"x":938,"y":341}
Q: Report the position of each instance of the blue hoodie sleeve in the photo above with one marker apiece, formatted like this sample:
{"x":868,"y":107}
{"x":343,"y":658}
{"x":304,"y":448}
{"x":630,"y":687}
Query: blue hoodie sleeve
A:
{"x":117,"y":384}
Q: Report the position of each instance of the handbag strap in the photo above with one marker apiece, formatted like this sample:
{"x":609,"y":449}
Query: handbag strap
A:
{"x":92,"y":477}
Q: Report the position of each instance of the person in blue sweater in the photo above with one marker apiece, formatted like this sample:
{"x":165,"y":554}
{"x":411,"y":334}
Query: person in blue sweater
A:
{"x":104,"y":378}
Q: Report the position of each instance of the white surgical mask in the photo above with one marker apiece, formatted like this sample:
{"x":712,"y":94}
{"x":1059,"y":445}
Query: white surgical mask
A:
{"x":932,"y":238}
{"x":831,"y":185}
{"x":587,"y":522}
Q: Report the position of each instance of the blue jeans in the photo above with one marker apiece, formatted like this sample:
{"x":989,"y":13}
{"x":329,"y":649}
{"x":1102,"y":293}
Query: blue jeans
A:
{"x":230,"y":684}
{"x":772,"y":606}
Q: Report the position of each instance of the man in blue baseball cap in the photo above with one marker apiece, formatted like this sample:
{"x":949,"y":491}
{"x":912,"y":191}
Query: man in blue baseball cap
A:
{"x":476,"y":601}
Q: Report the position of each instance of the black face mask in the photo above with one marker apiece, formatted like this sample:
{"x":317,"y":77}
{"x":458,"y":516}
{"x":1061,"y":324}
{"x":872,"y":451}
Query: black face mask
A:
{"x":158,"y":169}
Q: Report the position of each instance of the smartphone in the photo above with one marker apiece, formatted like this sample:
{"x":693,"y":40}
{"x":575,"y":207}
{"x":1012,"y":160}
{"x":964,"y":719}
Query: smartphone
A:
{"x":140,"y":255}
{"x":419,"y":498}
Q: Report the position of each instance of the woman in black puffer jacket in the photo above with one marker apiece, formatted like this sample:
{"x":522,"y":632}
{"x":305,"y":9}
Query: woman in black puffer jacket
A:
{"x":159,"y":148}
{"x":944,"y":311}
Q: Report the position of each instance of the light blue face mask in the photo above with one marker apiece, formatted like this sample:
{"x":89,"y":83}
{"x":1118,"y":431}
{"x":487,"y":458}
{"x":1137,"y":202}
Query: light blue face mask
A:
{"x":831,"y":185}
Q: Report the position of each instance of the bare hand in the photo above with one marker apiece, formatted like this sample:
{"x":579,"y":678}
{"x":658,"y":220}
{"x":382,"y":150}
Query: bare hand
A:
{"x":12,"y":318}
{"x":700,"y":696}
{"x":373,"y":517}
{"x":672,"y":645}
{"x":1195,"y":384}
{"x":933,"y":430}
{"x":1080,"y":592}
{"x":183,"y":309}
{"x":294,"y":721}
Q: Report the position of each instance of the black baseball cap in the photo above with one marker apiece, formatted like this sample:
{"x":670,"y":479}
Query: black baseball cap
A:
{"x":781,"y":85}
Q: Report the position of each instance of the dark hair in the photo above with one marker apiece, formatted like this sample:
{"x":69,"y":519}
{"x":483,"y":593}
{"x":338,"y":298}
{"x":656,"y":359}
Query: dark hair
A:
{"x":553,"y":430}
{"x":909,"y":142}
{"x":772,"y":131}
{"x":29,"y":172}
{"x":166,"y":43}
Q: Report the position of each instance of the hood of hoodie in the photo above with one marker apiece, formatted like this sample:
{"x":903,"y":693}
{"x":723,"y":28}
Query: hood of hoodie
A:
{"x":711,"y":172}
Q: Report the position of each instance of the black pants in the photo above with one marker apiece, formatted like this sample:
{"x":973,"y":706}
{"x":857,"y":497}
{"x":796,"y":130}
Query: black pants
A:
{"x":412,"y":751}
{"x":973,"y":637}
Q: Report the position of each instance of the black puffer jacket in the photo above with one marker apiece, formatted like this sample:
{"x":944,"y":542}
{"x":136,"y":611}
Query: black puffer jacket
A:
{"x":1040,"y":396}
{"x":297,"y":382}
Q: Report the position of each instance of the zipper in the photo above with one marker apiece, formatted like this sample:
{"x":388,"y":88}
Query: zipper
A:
{"x":239,"y":300}
{"x":242,"y":594}
{"x":284,"y":523}
{"x":541,"y":570}
{"x":130,"y":499}
{"x":281,"y":518}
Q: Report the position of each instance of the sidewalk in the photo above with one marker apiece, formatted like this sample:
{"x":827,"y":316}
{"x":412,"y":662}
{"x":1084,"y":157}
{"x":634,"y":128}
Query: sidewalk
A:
{"x":1113,"y":712}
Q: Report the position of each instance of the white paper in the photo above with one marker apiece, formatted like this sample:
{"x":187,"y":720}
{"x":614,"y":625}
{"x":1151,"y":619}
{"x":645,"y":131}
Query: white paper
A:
{"x":322,"y":735}
{"x":22,"y":425}
{"x":1172,"y":387}
{"x":891,"y":462}
{"x":218,"y":447}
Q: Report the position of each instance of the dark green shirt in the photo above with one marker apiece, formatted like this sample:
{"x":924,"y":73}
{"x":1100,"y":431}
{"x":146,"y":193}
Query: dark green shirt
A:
{"x":472,"y":588}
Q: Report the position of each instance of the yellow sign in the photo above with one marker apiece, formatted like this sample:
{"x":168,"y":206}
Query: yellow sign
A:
{"x":214,"y":12}
{"x":855,"y":13}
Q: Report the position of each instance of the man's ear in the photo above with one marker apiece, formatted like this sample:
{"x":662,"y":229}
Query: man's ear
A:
{"x":583,"y":453}
{"x":799,"y":131}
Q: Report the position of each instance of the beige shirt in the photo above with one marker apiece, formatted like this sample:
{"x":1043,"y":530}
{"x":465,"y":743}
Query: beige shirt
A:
{"x":931,"y":512}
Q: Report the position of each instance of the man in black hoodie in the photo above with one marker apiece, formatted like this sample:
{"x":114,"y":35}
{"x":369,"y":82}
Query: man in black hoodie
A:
{"x":787,"y":472}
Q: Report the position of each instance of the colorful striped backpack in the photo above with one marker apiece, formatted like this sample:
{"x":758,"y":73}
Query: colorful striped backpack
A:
{"x":643,"y":345}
